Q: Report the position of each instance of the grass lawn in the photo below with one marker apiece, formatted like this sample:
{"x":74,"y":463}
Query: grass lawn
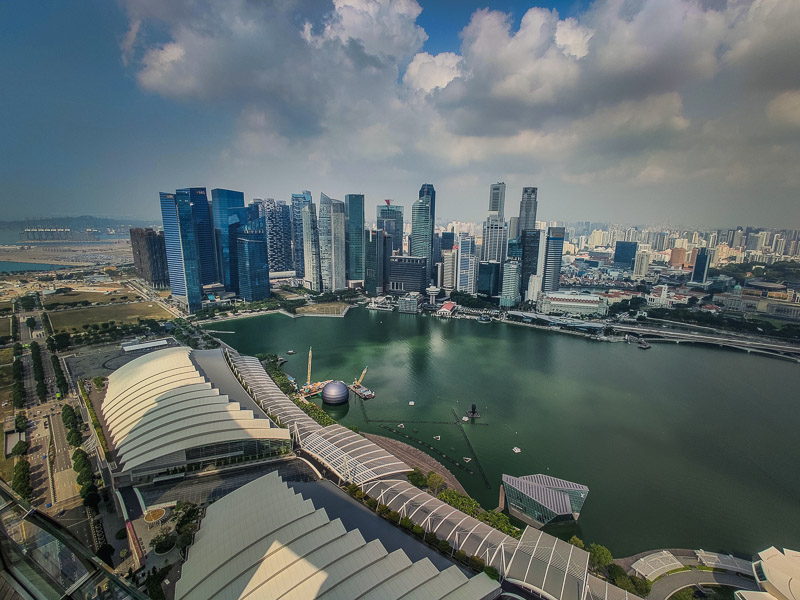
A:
{"x":5,"y":308}
{"x":53,"y":300}
{"x":5,"y":325}
{"x":329,"y":308}
{"x":6,"y":356}
{"x":120,"y":313}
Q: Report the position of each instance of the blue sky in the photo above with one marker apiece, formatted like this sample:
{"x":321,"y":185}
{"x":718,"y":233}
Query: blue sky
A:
{"x":647,"y":111}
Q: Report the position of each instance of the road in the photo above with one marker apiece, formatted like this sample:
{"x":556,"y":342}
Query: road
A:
{"x":669,"y":584}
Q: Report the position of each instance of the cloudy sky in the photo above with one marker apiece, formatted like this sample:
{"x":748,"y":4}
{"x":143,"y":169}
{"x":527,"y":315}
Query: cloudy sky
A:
{"x":639,"y":111}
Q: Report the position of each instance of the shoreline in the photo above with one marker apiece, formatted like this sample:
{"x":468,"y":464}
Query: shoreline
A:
{"x":41,"y":261}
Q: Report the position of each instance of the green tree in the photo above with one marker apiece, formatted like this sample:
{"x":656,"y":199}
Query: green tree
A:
{"x":576,"y":541}
{"x":20,"y":421}
{"x":74,"y":438}
{"x":435,"y":483}
{"x":417,"y":478}
{"x":599,"y":557}
{"x":31,"y":323}
{"x":92,"y":500}
{"x":106,"y":554}
{"x":20,"y":448}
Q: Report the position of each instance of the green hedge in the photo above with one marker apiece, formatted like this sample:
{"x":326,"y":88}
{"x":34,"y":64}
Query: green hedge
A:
{"x":93,"y":416}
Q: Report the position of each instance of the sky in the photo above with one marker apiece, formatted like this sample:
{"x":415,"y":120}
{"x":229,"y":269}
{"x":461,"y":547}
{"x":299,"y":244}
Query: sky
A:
{"x":672,"y":112}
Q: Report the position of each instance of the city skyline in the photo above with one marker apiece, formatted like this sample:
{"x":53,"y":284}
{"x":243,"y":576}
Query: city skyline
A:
{"x":700,"y":123}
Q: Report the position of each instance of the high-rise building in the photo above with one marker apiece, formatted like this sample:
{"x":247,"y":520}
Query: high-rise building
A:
{"x":299,"y":202}
{"x":390,"y":219}
{"x":278,"y":218}
{"x":325,"y":241}
{"x":449,"y":269}
{"x":252,"y":257}
{"x":533,"y":256}
{"x":354,"y":206}
{"x":201,"y":215}
{"x":180,"y":242}
{"x":489,"y":278}
{"x":497,"y":199}
{"x":150,"y":256}
{"x":223,"y":203}
{"x":422,"y":231}
{"x":407,"y":274}
{"x":467,"y":275}
{"x":677,"y":256}
{"x":527,"y":208}
{"x":641,"y":265}
{"x":625,"y":253}
{"x":311,"y":251}
{"x":552,"y":261}
{"x":427,"y":189}
{"x":513,"y":228}
{"x":701,"y":262}
{"x":514,"y":251}
{"x":495,"y":239}
{"x":509,"y":295}
{"x":374,"y":261}
{"x":448,"y":240}
{"x":332,"y":248}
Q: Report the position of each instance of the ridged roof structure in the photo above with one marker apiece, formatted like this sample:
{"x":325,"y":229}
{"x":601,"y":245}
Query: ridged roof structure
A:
{"x":265,"y":541}
{"x":161,"y":403}
{"x":548,"y":491}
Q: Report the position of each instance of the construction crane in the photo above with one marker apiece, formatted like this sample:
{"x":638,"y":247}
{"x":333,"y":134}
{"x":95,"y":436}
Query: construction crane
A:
{"x":308,"y":379}
{"x":360,"y":379}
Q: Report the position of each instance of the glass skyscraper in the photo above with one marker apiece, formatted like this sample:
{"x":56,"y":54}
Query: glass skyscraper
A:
{"x":701,"y":261}
{"x":527,"y":209}
{"x":467,"y":276}
{"x":354,"y":205}
{"x":181,"y":247}
{"x":374,"y":261}
{"x":253,"y":260}
{"x":201,"y":215}
{"x":553,"y":256}
{"x":533,"y":255}
{"x":222,"y":203}
{"x":422,"y":231}
{"x":390,"y":219}
{"x":311,"y":254}
{"x":299,"y":201}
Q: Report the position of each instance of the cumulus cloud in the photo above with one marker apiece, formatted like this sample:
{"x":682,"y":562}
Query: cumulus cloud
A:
{"x":635,"y":95}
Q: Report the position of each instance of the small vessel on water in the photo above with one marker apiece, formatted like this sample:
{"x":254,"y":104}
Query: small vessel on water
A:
{"x":484,"y":319}
{"x":465,"y":419}
{"x":437,"y":437}
{"x":411,"y":403}
{"x":400,"y":426}
{"x":290,"y":352}
{"x":466,"y":459}
{"x":516,"y":450}
{"x":643,"y":345}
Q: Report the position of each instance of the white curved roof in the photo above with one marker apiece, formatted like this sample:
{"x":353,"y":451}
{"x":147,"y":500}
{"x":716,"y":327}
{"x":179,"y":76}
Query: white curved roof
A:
{"x":265,"y":541}
{"x":161,"y":403}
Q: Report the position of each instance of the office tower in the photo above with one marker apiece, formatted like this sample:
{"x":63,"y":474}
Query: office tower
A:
{"x":252,"y":257}
{"x":509,"y":295}
{"x":467,"y":275}
{"x":325,"y":241}
{"x":311,"y":251}
{"x":514,"y":249}
{"x":552,"y":262}
{"x":489,"y":278}
{"x":407,"y":274}
{"x":661,"y":241}
{"x":150,"y":256}
{"x":448,"y":240}
{"x":354,"y":206}
{"x":223,"y":203}
{"x":713,"y":239}
{"x":422,"y":231}
{"x":527,"y":208}
{"x":449,"y":269}
{"x":736,"y":240}
{"x":513,"y":228}
{"x":201,"y":215}
{"x":427,"y":189}
{"x":495,"y":239}
{"x":641,"y":265}
{"x":180,"y":242}
{"x":299,"y":202}
{"x":534,"y":288}
{"x":278,"y":219}
{"x":625,"y":253}
{"x":332,"y":250}
{"x":701,"y":262}
{"x":497,"y":199}
{"x":390,"y":219}
{"x":533,"y":256}
{"x":374,"y":261}
{"x":692,"y":257}
{"x":677,"y":256}
{"x":779,"y":245}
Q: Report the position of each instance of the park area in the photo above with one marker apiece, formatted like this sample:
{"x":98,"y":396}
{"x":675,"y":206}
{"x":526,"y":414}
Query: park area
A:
{"x":67,"y":320}
{"x":5,"y":326}
{"x":329,"y":308}
{"x":85,"y":298}
{"x":5,"y":308}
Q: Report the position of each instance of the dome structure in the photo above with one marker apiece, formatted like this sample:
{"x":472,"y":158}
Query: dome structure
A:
{"x":336,"y":392}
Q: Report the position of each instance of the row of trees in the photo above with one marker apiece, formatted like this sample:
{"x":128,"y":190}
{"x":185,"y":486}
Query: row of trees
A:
{"x":18,"y":375}
{"x":85,"y":478}
{"x":21,"y":480}
{"x":14,"y":329}
{"x":58,"y":342}
{"x":107,"y":332}
{"x":93,"y":416}
{"x":46,"y":324}
{"x":25,"y":302}
{"x":72,"y":421}
{"x":61,"y":380}
{"x":38,"y":371}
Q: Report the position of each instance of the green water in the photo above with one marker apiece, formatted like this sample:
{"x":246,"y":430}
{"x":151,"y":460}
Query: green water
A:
{"x":681,"y":446}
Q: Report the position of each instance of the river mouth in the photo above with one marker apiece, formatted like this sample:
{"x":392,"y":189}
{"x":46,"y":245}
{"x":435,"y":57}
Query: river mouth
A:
{"x":680,"y":446}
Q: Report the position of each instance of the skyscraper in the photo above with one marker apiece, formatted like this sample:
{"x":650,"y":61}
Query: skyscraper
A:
{"x":552,"y":260}
{"x":509,"y":296}
{"x":701,"y":262}
{"x":489,"y":278}
{"x":527,"y":208}
{"x":497,"y":199}
{"x":422,"y":231}
{"x":625,"y":253}
{"x":390,"y":219}
{"x":278,"y":219}
{"x":427,"y":189}
{"x":299,"y":201}
{"x":641,"y":265}
{"x":332,"y":252}
{"x":180,"y":242}
{"x":150,"y":256}
{"x":448,"y":240}
{"x":533,"y":256}
{"x":354,"y":205}
{"x":450,"y":269}
{"x":252,"y":257}
{"x":467,"y":276}
{"x":222,"y":203}
{"x":407,"y":274}
{"x":201,"y":215}
{"x":311,"y":251}
{"x":495,"y":239}
{"x":374,"y":261}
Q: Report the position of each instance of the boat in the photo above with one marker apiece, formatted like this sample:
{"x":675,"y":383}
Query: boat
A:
{"x":291,"y":352}
{"x":465,"y":419}
{"x":643,"y":345}
{"x":516,"y":450}
{"x":466,"y":459}
{"x":411,"y":403}
{"x":484,"y":319}
{"x":437,"y":437}
{"x":400,"y":426}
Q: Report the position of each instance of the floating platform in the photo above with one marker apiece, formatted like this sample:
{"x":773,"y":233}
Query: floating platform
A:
{"x":361,"y":391}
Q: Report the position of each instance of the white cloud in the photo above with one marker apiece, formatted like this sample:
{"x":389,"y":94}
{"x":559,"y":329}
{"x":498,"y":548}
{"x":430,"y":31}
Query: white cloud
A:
{"x":427,"y":72}
{"x":784,"y":109}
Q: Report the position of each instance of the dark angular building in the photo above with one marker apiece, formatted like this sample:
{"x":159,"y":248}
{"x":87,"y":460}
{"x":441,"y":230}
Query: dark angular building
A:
{"x":700,"y":272}
{"x":204,"y":233}
{"x":374,"y":261}
{"x":390,"y":219}
{"x":252,"y":257}
{"x":625,"y":253}
{"x":448,"y":240}
{"x":489,"y":278}
{"x":224,"y":205}
{"x":533,"y":246}
{"x":407,"y":274}
{"x":150,"y":256}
